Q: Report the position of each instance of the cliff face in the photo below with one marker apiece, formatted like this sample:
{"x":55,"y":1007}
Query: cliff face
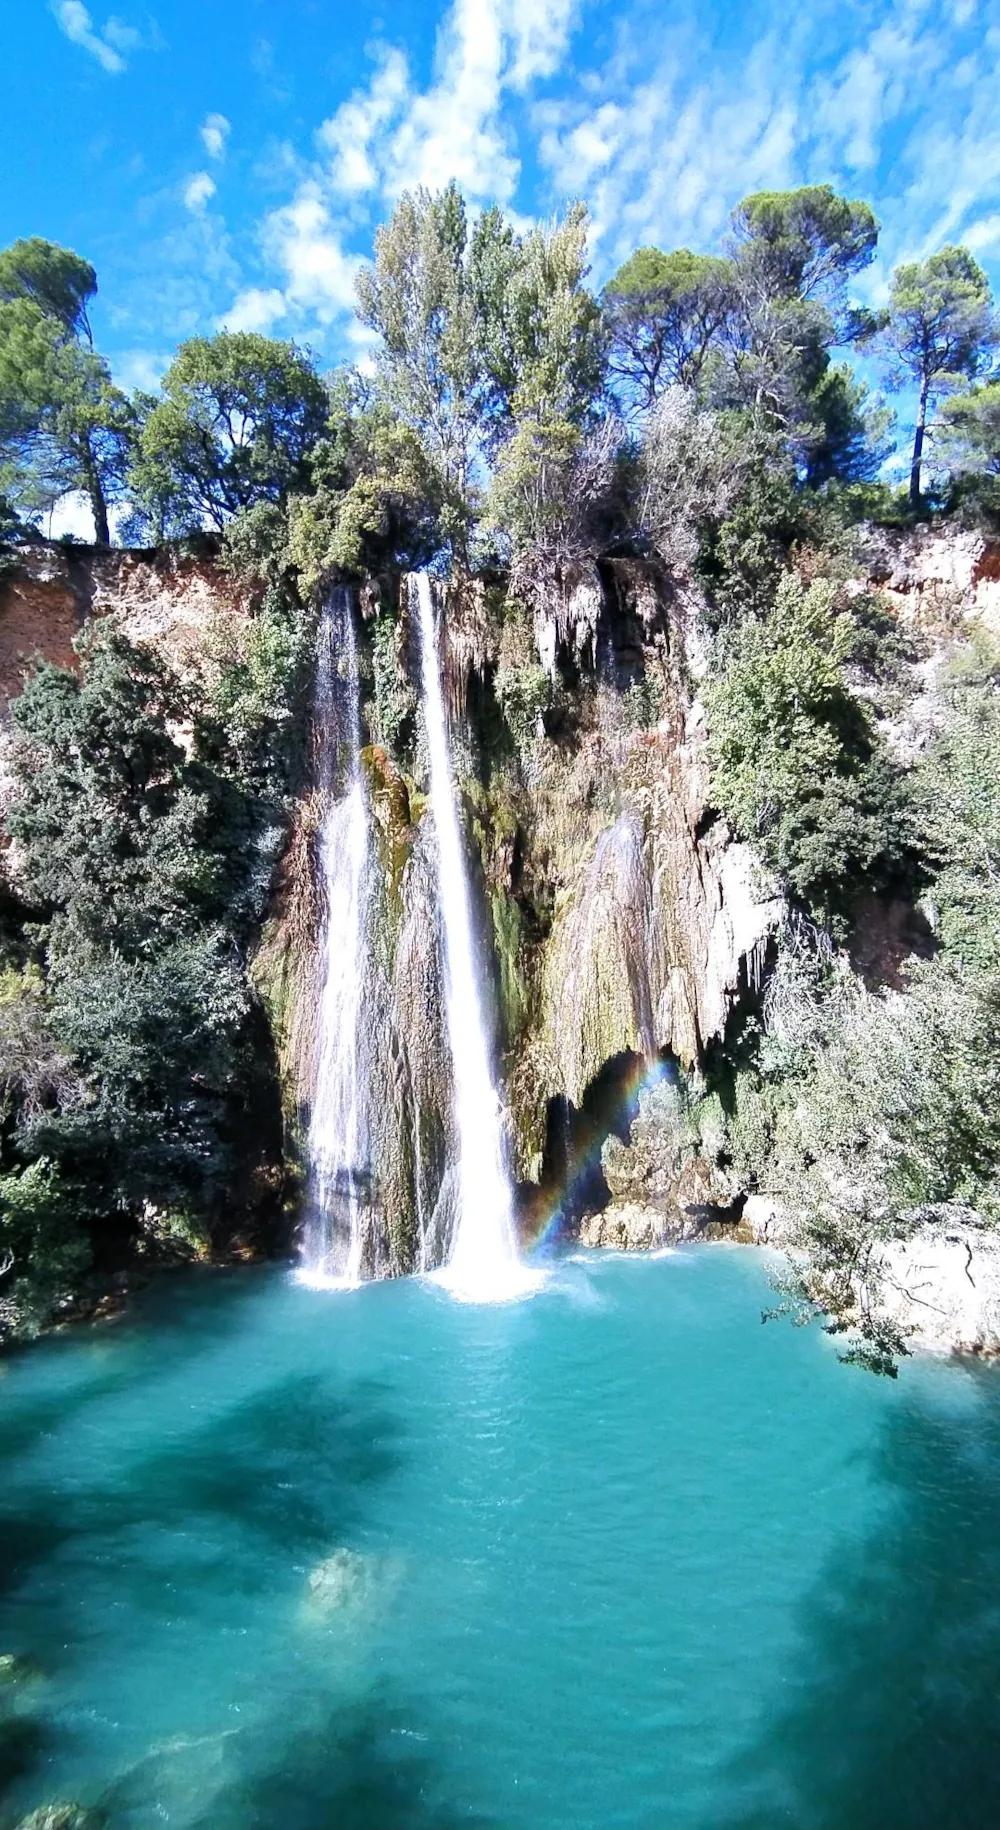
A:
{"x":159,"y":597}
{"x":621,"y":927}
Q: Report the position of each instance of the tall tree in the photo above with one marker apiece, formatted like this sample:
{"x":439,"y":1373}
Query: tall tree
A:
{"x":238,"y":417}
{"x":971,"y":429}
{"x":482,"y":336}
{"x":939,"y":330}
{"x":416,"y":296}
{"x":663,"y":314}
{"x":63,"y":423}
{"x":538,"y":325}
{"x":793,"y":253}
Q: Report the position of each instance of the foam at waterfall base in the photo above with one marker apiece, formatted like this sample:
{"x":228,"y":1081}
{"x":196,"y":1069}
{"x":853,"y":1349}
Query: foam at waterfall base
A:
{"x":315,"y":1279}
{"x":504,"y":1280}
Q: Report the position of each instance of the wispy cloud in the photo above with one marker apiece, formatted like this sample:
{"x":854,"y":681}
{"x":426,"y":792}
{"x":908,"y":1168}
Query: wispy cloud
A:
{"x":74,"y":19}
{"x":113,"y":44}
{"x":215,"y":131}
{"x":198,"y":190}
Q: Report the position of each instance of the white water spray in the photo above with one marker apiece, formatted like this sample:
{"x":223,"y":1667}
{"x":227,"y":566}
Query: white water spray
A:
{"x":484,"y":1265}
{"x":338,"y":1132}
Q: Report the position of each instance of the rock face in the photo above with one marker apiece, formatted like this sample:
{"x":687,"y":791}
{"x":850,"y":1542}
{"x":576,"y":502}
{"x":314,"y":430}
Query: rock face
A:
{"x":662,"y":1187}
{"x":941,"y":1288}
{"x":159,"y":597}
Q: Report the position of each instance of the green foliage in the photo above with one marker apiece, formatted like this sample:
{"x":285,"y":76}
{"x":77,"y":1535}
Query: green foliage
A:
{"x":393,"y":713}
{"x":664,"y":314}
{"x":940,"y":328}
{"x":796,"y":764}
{"x":804,"y":243}
{"x":957,"y":806}
{"x":57,"y":281}
{"x":374,"y":502}
{"x":148,"y":812}
{"x":969,"y":438}
{"x":538,"y":327}
{"x":43,"y":1251}
{"x":743,"y":551}
{"x":238,"y":417}
{"x":478,"y":335}
{"x":63,"y":423}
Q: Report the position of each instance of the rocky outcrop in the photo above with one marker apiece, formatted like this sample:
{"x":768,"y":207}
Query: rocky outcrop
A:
{"x":941,"y":1288}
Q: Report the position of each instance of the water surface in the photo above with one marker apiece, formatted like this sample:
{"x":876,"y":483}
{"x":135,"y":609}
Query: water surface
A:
{"x":618,"y":1555}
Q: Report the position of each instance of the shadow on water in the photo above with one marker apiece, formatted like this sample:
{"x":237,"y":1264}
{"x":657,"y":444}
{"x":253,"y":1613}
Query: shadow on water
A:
{"x":364,"y":1767}
{"x":191,"y":1314}
{"x":895,"y":1717}
{"x":234,"y":1505}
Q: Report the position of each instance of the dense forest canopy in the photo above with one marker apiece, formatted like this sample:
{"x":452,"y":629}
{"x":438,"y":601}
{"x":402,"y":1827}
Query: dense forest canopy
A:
{"x":704,"y":410}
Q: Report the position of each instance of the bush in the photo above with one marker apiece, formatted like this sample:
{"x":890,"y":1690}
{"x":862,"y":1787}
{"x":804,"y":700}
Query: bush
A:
{"x":796,"y":763}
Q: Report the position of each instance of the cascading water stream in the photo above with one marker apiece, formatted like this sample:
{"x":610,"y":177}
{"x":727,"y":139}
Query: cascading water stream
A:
{"x":484,"y":1265}
{"x":338,"y":1131}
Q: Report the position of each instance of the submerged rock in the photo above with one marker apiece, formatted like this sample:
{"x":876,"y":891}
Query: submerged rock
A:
{"x":349,"y":1583}
{"x":61,"y":1817}
{"x":15,"y":1669}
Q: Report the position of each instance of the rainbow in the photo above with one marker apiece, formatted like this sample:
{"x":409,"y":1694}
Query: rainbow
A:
{"x":543,"y":1214}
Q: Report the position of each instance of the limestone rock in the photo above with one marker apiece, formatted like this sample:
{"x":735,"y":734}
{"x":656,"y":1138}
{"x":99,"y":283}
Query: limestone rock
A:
{"x":941,"y":1287}
{"x":626,"y":1227}
{"x":646,"y":1169}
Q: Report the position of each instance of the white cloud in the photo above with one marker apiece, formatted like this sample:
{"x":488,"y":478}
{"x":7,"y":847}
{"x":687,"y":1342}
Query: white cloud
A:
{"x":983,"y":237}
{"x":215,"y":132}
{"x":74,"y":19}
{"x":540,"y":30}
{"x":124,"y":37}
{"x":198,"y":190}
{"x":454,"y":129}
{"x":304,"y":242}
{"x":350,"y":134}
{"x":389,"y":137}
{"x":140,"y":368}
{"x":257,"y":308}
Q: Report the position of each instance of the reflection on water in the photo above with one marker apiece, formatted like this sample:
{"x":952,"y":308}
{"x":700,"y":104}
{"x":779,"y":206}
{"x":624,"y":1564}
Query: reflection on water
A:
{"x":614,"y":1557}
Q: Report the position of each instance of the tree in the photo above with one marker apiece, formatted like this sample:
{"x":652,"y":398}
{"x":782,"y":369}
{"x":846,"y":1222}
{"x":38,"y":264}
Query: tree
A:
{"x":58,"y":281}
{"x":481,"y":335}
{"x":238,"y":417}
{"x":797,"y":767}
{"x":971,"y":434}
{"x":803,"y":244}
{"x":63,"y":423}
{"x":663,"y":314}
{"x":792,"y":254}
{"x":374,"y":500}
{"x":416,"y":296}
{"x":538,"y":326}
{"x":940,"y":328}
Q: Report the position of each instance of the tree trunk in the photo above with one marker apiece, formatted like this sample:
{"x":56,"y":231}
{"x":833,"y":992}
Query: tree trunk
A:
{"x":918,"y":447}
{"x":99,"y":507}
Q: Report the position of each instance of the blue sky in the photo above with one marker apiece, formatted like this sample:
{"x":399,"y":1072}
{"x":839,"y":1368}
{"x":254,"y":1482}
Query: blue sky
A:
{"x":226,"y":161}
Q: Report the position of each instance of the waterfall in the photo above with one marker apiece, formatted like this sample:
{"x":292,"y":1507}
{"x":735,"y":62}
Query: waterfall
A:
{"x":484,"y":1265}
{"x":338,"y":1131}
